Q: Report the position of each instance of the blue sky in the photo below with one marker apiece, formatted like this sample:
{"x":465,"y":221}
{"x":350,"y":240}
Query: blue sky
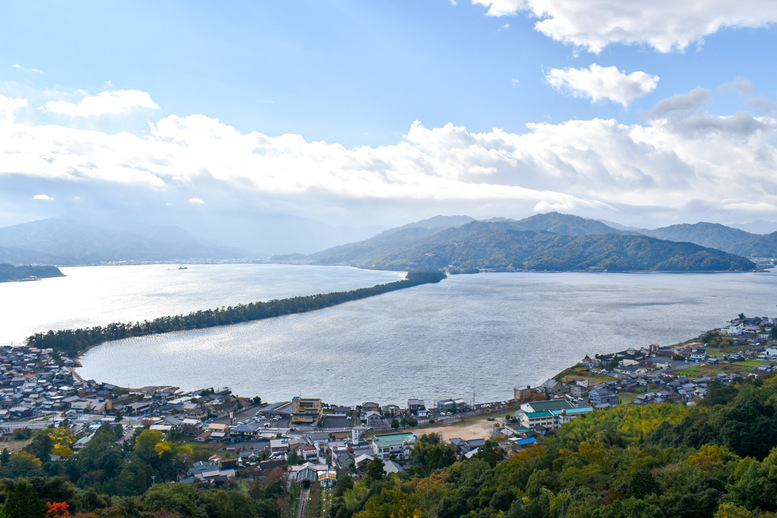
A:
{"x":379,"y":113}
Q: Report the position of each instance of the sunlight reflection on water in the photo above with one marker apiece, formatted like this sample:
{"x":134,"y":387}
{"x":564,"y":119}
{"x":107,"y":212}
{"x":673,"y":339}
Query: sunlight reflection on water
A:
{"x":481,"y":333}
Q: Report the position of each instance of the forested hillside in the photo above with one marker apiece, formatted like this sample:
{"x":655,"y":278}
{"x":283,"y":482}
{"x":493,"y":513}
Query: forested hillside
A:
{"x":714,"y":459}
{"x":498,"y":246}
{"x":552,"y":242}
{"x":9,"y":272}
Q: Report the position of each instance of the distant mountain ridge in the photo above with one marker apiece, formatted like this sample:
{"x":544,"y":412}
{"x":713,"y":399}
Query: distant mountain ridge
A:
{"x":566,"y":225}
{"x":719,"y":236}
{"x":553,"y":242}
{"x":71,"y":242}
{"x":67,"y":242}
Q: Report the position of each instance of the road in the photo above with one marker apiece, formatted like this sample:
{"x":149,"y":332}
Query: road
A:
{"x":302,"y":508}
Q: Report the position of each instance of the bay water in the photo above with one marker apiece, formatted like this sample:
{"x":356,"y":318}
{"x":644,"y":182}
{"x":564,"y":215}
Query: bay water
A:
{"x":470,"y":336}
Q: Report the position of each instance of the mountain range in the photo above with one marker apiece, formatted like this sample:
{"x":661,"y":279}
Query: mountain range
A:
{"x":68,"y":242}
{"x":550,"y":241}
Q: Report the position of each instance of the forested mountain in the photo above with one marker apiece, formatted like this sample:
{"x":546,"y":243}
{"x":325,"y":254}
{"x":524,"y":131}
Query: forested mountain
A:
{"x":68,"y":242}
{"x":499,"y":247}
{"x":713,"y":235}
{"x":440,"y":229}
{"x":760,"y":246}
{"x":577,"y":244}
{"x":718,"y":236}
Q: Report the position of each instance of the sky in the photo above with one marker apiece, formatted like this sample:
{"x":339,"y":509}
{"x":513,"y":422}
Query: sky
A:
{"x":375,"y":114}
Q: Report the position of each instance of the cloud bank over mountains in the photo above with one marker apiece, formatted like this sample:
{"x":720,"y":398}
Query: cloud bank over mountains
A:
{"x":681,"y":163}
{"x":704,"y":151}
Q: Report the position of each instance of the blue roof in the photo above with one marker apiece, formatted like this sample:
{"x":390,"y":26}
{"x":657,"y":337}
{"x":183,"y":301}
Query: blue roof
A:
{"x":526,"y":441}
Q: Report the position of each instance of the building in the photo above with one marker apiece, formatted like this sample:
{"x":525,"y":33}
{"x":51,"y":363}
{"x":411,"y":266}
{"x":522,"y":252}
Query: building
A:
{"x":551,"y":419}
{"x":305,"y":410}
{"x":551,"y":404}
{"x":393,"y":444}
{"x":522,"y":394}
{"x":452,"y":405}
{"x":602,"y":397}
{"x":414,"y":405}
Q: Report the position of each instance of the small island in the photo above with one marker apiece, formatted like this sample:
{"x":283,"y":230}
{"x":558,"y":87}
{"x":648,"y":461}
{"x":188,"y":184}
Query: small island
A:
{"x":9,"y":272}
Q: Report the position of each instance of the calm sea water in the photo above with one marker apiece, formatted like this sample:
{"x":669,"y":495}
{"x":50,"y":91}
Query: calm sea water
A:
{"x":89,"y":296}
{"x":471,"y":336}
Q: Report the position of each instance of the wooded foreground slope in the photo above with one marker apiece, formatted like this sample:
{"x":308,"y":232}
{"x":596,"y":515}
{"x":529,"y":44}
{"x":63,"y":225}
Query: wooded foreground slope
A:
{"x":715,"y":459}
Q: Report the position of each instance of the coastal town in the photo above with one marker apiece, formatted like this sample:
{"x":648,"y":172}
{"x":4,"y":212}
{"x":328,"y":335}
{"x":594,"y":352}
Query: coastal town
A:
{"x":312,"y":441}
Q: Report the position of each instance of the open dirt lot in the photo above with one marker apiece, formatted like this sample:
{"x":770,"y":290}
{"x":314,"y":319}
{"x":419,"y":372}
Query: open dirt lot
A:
{"x":467,"y":430}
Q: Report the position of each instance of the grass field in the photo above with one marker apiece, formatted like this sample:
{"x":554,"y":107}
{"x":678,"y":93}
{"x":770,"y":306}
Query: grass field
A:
{"x":581,"y":372}
{"x":627,"y":397}
{"x":753,"y":363}
{"x":721,"y":351}
{"x":14,"y":446}
{"x":711,"y":370}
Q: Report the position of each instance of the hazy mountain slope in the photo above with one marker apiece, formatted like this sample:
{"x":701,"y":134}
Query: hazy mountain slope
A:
{"x":434,"y":223}
{"x":20,"y":256}
{"x":356,"y":253}
{"x":566,"y":225}
{"x":718,"y":236}
{"x":757,"y":246}
{"x":81,"y":243}
{"x":713,"y":235}
{"x":404,"y":236}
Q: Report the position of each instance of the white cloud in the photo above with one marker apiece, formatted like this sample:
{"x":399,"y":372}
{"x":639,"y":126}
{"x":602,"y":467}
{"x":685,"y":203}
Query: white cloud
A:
{"x":666,"y":25}
{"x":113,"y":102}
{"x":740,"y":85}
{"x":682,"y":156}
{"x":43,"y":197}
{"x":8,"y":106}
{"x":693,"y":101}
{"x":598,"y":83}
{"x":17,"y":66}
{"x":502,"y":7}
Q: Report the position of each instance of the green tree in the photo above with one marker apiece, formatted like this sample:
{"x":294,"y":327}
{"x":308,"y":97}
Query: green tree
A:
{"x":177,"y":498}
{"x":430,"y":454}
{"x":375,"y":470}
{"x":23,"y":502}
